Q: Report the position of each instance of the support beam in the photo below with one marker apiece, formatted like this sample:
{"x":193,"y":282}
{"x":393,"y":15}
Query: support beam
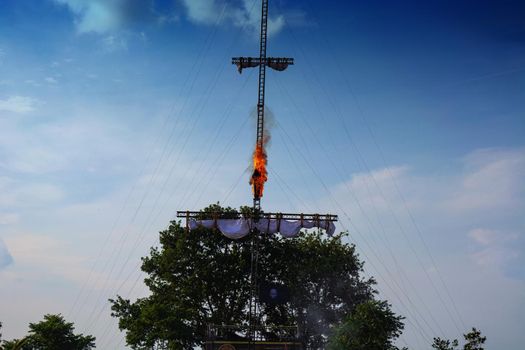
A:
{"x":277,"y":63}
{"x":262,"y":215}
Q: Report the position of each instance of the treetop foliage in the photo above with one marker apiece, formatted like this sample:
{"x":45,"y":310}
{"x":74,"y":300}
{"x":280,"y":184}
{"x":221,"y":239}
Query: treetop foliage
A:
{"x":52,"y":333}
{"x":371,"y":326}
{"x":201,"y":277}
{"x":473,"y":341}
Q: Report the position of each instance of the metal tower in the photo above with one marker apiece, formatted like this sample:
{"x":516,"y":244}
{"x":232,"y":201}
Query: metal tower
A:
{"x":277,"y":63}
{"x":262,"y":62}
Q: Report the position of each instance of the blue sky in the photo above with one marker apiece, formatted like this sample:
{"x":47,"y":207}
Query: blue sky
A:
{"x":406,"y":119}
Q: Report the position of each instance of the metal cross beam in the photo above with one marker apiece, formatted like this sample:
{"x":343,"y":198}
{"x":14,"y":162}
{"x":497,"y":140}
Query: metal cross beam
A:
{"x":277,"y":63}
{"x":283,"y":216}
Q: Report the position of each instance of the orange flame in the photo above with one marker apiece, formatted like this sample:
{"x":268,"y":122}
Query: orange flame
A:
{"x":260,"y":175}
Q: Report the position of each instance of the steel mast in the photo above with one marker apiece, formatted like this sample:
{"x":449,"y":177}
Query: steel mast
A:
{"x":262,"y":86}
{"x":277,"y":63}
{"x":262,"y":62}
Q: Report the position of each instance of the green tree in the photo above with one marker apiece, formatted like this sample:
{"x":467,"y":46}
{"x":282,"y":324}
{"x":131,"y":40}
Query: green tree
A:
{"x":371,"y":326}
{"x":474,"y":340}
{"x":52,"y":333}
{"x":201,"y":277}
{"x":15,"y":344}
{"x":444,"y":344}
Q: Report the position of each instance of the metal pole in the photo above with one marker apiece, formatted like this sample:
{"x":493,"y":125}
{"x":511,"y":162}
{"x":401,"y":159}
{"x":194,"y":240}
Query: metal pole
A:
{"x":262,"y":82}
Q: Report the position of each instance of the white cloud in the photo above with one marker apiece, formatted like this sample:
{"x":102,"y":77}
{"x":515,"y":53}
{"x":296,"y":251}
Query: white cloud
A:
{"x":202,"y":11}
{"x":494,"y":248}
{"x":486,"y":192}
{"x":488,"y":184}
{"x":217,"y":12}
{"x":18,"y":104}
{"x":495,"y":256}
{"x":483,"y":236}
{"x":472,"y":222}
{"x":378,"y":196}
{"x":111,"y":16}
{"x":103,"y":16}
{"x":491,"y":180}
{"x":95,"y":15}
{"x":251,"y":16}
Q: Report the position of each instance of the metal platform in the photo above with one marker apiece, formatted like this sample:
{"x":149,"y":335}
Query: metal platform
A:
{"x":199,"y":215}
{"x":220,"y":337}
{"x":256,"y":345}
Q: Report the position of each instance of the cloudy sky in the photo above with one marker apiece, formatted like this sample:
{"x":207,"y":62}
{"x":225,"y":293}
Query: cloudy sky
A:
{"x":407,"y":120}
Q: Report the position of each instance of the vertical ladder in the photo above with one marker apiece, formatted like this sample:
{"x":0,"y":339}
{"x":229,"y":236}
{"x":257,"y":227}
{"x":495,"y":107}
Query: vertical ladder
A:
{"x":253,"y":319}
{"x":262,"y":82}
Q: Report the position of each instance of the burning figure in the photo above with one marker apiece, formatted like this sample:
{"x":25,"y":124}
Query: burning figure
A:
{"x":260,"y":175}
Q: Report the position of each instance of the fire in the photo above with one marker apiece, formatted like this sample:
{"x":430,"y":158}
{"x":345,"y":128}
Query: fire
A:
{"x":260,"y":175}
